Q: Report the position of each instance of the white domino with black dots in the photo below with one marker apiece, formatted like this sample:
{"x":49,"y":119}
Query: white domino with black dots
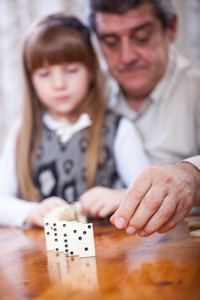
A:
{"x":49,"y":233}
{"x":86,"y":240}
{"x":72,"y":238}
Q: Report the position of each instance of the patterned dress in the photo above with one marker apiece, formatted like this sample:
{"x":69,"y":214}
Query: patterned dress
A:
{"x":60,"y":168}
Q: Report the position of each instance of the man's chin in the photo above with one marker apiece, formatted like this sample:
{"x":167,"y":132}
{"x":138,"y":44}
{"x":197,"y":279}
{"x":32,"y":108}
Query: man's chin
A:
{"x":135,"y":91}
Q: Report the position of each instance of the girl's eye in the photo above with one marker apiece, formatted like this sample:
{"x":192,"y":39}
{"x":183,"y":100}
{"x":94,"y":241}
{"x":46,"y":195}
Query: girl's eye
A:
{"x":71,"y":69}
{"x":43,"y":73}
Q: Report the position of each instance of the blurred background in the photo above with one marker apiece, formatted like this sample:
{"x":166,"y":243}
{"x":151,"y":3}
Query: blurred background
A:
{"x":17,"y":15}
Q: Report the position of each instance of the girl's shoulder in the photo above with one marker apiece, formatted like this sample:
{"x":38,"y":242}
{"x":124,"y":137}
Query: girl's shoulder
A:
{"x":112,"y":115}
{"x":118,"y":119}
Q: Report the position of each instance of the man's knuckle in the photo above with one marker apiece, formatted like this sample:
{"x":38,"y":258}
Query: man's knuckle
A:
{"x":152,"y":203}
{"x":166,"y":212}
{"x":149,"y":170}
{"x":133,"y":193}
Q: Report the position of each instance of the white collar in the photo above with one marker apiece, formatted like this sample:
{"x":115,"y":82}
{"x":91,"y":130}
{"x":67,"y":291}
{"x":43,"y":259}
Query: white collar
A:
{"x":53,"y":124}
{"x":156,"y":93}
{"x":66,"y":130}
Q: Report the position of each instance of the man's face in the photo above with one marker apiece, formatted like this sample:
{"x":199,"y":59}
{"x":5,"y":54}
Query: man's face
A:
{"x":135,"y":46}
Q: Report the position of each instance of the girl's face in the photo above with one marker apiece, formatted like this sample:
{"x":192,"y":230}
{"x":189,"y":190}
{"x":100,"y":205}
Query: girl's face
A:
{"x":62,"y":88}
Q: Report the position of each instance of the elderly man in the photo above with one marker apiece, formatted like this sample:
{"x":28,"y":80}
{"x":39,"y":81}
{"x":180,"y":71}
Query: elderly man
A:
{"x":159,"y":91}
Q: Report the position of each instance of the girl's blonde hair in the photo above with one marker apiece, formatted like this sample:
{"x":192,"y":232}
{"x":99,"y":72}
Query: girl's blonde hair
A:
{"x":56,"y":39}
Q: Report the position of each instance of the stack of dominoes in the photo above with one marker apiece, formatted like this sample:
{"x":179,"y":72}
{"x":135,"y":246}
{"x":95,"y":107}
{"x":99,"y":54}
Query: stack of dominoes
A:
{"x":193,"y":223}
{"x":64,"y":234}
{"x":69,"y":212}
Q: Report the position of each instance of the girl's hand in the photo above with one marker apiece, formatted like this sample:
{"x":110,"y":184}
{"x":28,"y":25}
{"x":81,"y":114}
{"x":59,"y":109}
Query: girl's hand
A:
{"x":36,"y":216}
{"x":100,"y":201}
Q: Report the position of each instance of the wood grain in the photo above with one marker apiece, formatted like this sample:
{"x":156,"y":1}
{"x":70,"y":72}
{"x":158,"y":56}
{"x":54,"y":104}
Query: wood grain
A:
{"x":162,"y":266}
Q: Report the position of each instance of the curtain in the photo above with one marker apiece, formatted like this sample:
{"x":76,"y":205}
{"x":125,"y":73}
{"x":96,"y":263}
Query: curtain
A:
{"x":15,"y":17}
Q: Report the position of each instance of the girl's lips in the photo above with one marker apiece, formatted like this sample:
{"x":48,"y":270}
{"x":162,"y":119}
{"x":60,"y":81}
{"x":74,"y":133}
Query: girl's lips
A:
{"x":62,"y":98}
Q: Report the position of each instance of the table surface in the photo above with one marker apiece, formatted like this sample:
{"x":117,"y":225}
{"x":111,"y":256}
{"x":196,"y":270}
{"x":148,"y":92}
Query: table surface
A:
{"x":162,"y":266}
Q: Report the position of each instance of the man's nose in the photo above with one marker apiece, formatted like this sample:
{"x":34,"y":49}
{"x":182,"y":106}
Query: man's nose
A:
{"x":128,"y":53}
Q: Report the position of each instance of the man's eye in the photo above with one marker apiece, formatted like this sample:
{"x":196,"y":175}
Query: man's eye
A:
{"x":142,"y":37}
{"x":110,"y":42}
{"x":142,"y":40}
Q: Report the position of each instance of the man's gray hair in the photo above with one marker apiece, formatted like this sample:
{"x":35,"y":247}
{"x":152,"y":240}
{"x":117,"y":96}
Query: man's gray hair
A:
{"x":164,"y":9}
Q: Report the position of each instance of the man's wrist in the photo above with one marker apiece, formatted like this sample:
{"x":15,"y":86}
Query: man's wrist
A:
{"x":195,"y":175}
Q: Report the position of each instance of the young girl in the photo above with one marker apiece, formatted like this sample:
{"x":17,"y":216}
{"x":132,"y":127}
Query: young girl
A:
{"x":67,"y":141}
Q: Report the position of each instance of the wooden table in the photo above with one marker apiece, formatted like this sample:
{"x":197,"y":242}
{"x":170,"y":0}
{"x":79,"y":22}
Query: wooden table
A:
{"x":162,"y":266}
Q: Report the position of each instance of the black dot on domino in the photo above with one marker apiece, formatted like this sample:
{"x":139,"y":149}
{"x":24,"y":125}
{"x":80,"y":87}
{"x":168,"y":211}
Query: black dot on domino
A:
{"x":89,"y":226}
{"x":75,"y":231}
{"x":64,"y":225}
{"x":86,"y":248}
{"x":71,"y":253}
{"x":66,"y":250}
{"x":80,"y":238}
{"x":84,"y":232}
{"x":48,"y":233}
{"x":47,"y":224}
{"x":57,"y":249}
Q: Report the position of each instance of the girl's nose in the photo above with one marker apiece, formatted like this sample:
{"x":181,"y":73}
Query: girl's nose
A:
{"x":58,"y":80}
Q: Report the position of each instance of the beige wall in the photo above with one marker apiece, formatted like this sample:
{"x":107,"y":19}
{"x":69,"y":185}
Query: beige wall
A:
{"x":182,"y":38}
{"x":188,"y":39}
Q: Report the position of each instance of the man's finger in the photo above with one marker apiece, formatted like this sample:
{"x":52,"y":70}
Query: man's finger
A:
{"x":149,"y":205}
{"x":133,"y":197}
{"x":161,"y":217}
{"x":178,"y":215}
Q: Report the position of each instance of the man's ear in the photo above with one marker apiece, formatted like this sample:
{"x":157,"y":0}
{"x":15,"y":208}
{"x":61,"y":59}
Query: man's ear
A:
{"x":173,"y":28}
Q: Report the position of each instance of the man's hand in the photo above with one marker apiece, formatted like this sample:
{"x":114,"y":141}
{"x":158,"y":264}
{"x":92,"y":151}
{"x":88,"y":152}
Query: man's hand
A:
{"x":36,"y":216}
{"x":158,"y":199}
{"x":100,"y":201}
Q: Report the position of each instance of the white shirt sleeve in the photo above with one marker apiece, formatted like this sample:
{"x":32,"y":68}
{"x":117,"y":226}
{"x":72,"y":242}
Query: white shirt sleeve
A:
{"x":195,"y":160}
{"x":13,"y":211}
{"x":129,"y":153}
